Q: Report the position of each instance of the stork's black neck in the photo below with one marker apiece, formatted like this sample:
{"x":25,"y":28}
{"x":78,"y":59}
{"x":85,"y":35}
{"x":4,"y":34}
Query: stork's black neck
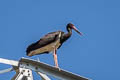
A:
{"x":67,"y":35}
{"x":69,"y":31}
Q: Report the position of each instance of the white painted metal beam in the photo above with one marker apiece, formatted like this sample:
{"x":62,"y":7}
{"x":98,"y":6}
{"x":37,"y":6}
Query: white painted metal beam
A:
{"x":9,"y":62}
{"x":49,"y":70}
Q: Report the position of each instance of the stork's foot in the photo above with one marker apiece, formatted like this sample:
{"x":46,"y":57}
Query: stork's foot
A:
{"x":57,"y":68}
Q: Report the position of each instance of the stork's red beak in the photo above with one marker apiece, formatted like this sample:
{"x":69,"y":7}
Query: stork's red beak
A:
{"x":77,"y":30}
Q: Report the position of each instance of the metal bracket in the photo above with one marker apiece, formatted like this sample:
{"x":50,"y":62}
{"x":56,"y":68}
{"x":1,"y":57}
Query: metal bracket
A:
{"x":24,"y":74}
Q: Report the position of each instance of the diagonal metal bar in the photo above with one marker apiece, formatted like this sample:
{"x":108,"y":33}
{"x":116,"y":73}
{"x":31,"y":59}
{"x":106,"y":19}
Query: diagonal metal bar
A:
{"x":6,"y":70}
{"x":43,"y":76}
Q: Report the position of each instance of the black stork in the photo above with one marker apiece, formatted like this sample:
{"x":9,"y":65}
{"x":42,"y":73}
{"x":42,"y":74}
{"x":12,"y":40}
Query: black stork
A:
{"x":51,"y":42}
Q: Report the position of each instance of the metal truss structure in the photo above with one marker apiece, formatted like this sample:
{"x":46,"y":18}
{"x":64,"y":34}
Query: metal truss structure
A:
{"x":25,"y":66}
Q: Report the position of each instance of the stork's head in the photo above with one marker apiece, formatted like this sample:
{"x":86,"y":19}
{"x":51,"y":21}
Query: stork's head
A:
{"x":71,"y":26}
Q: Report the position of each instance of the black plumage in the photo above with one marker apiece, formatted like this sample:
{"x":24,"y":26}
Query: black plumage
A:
{"x":46,"y":40}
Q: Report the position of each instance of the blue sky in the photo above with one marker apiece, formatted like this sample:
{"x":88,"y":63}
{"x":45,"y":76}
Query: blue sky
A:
{"x":95,"y":55}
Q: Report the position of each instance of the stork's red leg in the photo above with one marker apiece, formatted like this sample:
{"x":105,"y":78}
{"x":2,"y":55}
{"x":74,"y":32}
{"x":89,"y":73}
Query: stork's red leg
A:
{"x":55,"y":58}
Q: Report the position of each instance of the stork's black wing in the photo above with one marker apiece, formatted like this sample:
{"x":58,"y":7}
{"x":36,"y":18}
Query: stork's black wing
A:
{"x":47,"y":39}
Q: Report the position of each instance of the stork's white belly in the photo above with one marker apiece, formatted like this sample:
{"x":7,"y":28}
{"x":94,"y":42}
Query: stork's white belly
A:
{"x":48,"y":48}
